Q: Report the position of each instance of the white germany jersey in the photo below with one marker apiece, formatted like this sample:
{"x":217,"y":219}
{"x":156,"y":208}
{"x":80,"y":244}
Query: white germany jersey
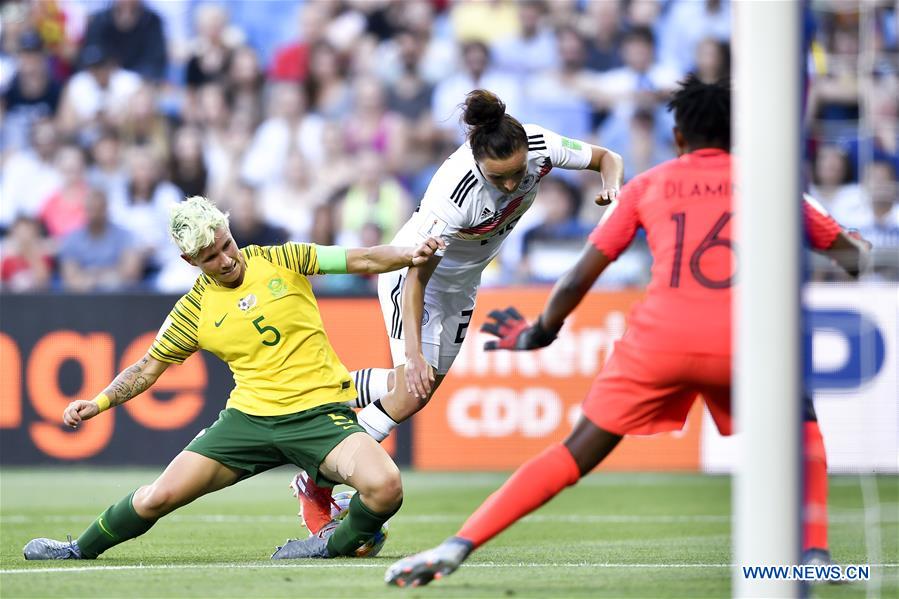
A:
{"x":472,"y":216}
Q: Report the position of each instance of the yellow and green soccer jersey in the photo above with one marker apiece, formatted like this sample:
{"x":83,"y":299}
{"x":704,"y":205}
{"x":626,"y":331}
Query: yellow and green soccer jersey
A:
{"x":268,"y":330}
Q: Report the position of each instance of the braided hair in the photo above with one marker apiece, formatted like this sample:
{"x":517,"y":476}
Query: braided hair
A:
{"x":492,"y":132}
{"x":702,"y":112}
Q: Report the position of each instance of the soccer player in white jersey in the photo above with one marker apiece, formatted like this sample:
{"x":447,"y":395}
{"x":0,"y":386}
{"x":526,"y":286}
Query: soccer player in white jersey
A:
{"x":473,"y":201}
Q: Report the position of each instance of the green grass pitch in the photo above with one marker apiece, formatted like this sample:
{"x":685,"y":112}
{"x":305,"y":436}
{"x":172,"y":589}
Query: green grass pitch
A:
{"x":613,"y":535}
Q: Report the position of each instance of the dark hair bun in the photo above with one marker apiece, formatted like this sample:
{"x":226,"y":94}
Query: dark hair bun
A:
{"x":483,"y":109}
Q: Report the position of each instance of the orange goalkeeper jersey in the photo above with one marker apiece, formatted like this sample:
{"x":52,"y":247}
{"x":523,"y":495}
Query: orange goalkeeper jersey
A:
{"x":685,"y":206}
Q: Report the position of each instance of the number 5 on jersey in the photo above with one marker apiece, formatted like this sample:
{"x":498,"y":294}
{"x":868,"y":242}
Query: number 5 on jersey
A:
{"x":263,"y":330}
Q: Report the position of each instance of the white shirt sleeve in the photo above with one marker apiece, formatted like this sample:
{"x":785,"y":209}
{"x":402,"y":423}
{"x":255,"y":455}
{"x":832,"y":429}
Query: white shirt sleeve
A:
{"x":439,"y":215}
{"x":564,"y":152}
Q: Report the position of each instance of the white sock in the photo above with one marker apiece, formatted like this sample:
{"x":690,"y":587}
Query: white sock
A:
{"x":375,"y":422}
{"x":371,"y":385}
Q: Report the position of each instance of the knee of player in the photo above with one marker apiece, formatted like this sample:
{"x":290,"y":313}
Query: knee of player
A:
{"x":386,"y":488}
{"x":154,"y":500}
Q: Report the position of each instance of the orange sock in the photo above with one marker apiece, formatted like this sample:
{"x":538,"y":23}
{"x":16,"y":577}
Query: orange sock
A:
{"x":815,"y":499}
{"x":533,"y":484}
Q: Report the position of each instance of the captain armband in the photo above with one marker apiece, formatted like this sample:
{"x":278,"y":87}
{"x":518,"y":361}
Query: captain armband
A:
{"x":331,"y":259}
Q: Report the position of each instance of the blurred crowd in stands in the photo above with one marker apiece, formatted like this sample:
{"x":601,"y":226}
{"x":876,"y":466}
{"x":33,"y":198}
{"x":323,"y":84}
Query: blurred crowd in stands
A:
{"x":323,"y":121}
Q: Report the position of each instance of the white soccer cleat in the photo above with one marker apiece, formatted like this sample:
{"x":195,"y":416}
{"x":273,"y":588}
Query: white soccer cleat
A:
{"x":421,"y":568}
{"x":40,"y":549}
{"x":312,"y":547}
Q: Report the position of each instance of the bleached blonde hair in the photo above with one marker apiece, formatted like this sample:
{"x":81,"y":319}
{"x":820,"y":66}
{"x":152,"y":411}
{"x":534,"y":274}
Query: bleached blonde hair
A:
{"x":193,"y":223}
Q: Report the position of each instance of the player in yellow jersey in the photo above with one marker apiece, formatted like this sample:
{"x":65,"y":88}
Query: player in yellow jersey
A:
{"x":254,"y":309}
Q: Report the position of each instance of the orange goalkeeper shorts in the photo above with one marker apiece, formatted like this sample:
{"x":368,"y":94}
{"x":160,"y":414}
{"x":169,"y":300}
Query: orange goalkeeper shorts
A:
{"x":641,"y":392}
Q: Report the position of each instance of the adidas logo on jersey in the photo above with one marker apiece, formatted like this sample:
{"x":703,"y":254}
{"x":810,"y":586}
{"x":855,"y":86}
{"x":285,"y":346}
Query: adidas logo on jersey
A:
{"x":486,"y":212}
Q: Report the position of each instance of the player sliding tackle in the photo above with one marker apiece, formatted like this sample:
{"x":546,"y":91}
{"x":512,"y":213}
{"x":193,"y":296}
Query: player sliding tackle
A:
{"x":254,"y":309}
{"x":678,"y":342}
{"x":472,"y":203}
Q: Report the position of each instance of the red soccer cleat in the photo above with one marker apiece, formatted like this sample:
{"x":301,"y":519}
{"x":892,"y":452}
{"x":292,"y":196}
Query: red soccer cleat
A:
{"x":315,"y":502}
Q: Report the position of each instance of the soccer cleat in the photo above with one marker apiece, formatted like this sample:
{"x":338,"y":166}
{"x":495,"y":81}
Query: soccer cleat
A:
{"x":315,"y":502}
{"x":313,"y":546}
{"x":816,"y":557}
{"x":819,"y":557}
{"x":421,"y":568}
{"x":50,"y":549}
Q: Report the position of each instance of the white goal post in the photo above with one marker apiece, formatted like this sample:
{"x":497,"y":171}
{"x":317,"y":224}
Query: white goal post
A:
{"x":767,"y":389}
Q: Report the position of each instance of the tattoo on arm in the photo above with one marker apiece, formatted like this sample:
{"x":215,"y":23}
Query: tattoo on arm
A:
{"x":129,"y":383}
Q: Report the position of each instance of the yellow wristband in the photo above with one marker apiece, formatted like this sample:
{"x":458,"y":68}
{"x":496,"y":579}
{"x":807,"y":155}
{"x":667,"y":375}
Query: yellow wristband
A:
{"x":102,"y":402}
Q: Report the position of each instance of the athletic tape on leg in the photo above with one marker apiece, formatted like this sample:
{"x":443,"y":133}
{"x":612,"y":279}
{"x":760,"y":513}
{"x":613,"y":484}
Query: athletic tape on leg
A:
{"x":343,"y":459}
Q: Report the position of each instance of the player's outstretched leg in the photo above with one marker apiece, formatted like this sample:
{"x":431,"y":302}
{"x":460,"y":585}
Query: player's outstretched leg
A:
{"x":537,"y":481}
{"x":360,"y":462}
{"x":815,"y":545}
{"x":422,"y":568}
{"x":188,"y":476}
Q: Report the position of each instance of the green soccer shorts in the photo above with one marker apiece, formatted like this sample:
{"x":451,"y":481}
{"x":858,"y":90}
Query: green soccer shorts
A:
{"x":255,"y":444}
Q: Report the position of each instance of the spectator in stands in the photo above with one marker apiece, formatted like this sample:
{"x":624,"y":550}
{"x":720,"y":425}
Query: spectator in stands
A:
{"x":143,"y":124}
{"x":323,"y":228}
{"x":211,"y":54}
{"x":291,"y":62}
{"x":187,"y":166}
{"x":144,"y":211}
{"x":98,"y":256}
{"x":875,"y":212}
{"x":107,"y":171}
{"x":642,"y":149}
{"x":642,"y":13}
{"x":640,"y":84}
{"x":477,"y":72}
{"x":291,"y":201}
{"x":247,"y":224}
{"x":338,"y":168}
{"x":604,"y":35}
{"x":533,"y":49}
{"x":327,"y":87}
{"x":685,"y":25}
{"x":376,"y":197}
{"x":226,"y":137}
{"x":409,"y":92}
{"x":832,"y":184}
{"x":439,"y":55}
{"x":833,"y":98}
{"x":558,"y":98}
{"x":32,"y":94}
{"x":245,"y":82}
{"x":712,"y":60}
{"x":485,"y":22}
{"x":288,"y":126}
{"x":410,"y":95}
{"x":553,"y":246}
{"x":371,"y":126}
{"x":130,"y":33}
{"x":26,"y":265}
{"x":95,"y":96}
{"x":63,"y":210}
{"x":30,"y":175}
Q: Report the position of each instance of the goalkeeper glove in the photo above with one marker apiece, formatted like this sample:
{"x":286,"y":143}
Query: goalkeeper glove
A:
{"x":515,"y":332}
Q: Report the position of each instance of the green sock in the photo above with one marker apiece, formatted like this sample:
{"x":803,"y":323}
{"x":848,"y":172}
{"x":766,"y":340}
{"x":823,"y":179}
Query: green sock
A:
{"x":359,"y":525}
{"x":117,"y":524}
